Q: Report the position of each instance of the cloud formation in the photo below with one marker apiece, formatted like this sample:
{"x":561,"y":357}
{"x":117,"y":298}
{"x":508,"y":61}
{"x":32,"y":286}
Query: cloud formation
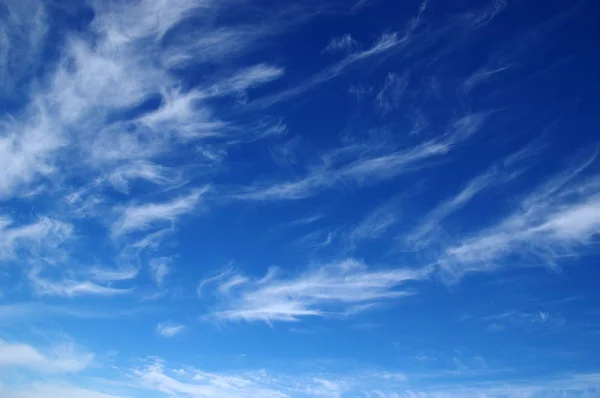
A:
{"x":168,"y":329}
{"x":551,"y":222}
{"x":126,"y":124}
{"x":60,"y":359}
{"x":341,"y":43}
{"x":343,"y":287}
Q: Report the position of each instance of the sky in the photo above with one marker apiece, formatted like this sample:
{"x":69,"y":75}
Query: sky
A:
{"x":297,"y":199}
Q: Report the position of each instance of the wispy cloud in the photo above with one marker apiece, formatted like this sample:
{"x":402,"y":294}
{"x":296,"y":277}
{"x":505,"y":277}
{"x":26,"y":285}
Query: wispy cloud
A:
{"x":112,"y":274}
{"x":22,"y":37}
{"x":43,"y":390}
{"x":392,"y":91}
{"x":535,"y":321}
{"x":62,"y":358}
{"x":42,"y":233}
{"x":341,"y":43}
{"x":511,"y":167}
{"x":27,"y":151}
{"x":342,"y":287}
{"x":245,"y":79}
{"x":370,"y":384}
{"x":557,"y":217}
{"x":204,"y":384}
{"x":142,"y":217}
{"x":366,"y":169}
{"x":160,"y":269}
{"x":169,"y":329}
{"x":376,"y":223}
{"x":386,"y":42}
{"x":67,"y":287}
{"x":122,"y":177}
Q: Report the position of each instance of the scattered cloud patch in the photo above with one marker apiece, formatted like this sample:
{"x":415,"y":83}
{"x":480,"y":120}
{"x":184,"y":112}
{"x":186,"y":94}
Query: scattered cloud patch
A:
{"x":160,"y":269}
{"x":169,"y":330}
{"x":341,"y":44}
{"x":347,"y":286}
{"x":555,"y":219}
{"x":142,"y":217}
{"x":62,"y":358}
{"x":391,"y":93}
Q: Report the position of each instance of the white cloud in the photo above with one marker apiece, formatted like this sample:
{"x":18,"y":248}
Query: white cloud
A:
{"x":502,"y":173}
{"x":204,"y":384}
{"x":433,"y":219}
{"x":215,"y":279}
{"x":482,"y":75}
{"x":535,"y":321}
{"x":392,"y":91}
{"x":73,"y":106}
{"x":180,"y":116}
{"x":376,"y":223}
{"x":574,"y":385}
{"x":45,"y":390}
{"x":370,"y":384}
{"x":124,"y":23}
{"x":341,"y":43}
{"x":142,"y":217}
{"x":557,"y":217}
{"x":344,"y":287}
{"x":61,"y":358}
{"x":26,"y":152}
{"x":385,"y":43}
{"x":365,"y":168}
{"x":160,"y":268}
{"x":483,"y":16}
{"x":112,"y":274}
{"x":143,"y":170}
{"x":23,"y":29}
{"x":232,"y":282}
{"x":326,"y":388}
{"x":45,"y":233}
{"x":246,"y":79}
{"x":169,"y":329}
{"x":68,"y":287}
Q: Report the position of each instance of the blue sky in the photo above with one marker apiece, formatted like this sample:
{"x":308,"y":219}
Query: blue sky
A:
{"x":239,"y":198}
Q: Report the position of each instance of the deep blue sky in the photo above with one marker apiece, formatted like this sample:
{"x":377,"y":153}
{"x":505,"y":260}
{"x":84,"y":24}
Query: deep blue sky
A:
{"x":239,"y":198}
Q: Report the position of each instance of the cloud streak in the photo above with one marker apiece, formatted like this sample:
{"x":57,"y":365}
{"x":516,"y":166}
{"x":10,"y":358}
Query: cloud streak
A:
{"x":169,"y":329}
{"x":368,"y":169}
{"x":63,"y":358}
{"x":341,"y":43}
{"x":555,"y":219}
{"x":142,"y":217}
{"x":347,"y":286}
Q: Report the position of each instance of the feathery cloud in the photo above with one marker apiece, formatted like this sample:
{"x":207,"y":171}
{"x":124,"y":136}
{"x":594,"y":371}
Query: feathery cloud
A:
{"x":203,"y":384}
{"x":343,"y":287}
{"x":112,"y":274}
{"x":557,"y":217}
{"x":368,"y":168}
{"x":384,"y":44}
{"x":60,"y":359}
{"x":392,"y":91}
{"x":68,"y":287}
{"x":160,"y":269}
{"x":341,"y":43}
{"x":142,"y":217}
{"x":44,"y":390}
{"x":376,"y":223}
{"x":45,"y":233}
{"x":168,"y":329}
